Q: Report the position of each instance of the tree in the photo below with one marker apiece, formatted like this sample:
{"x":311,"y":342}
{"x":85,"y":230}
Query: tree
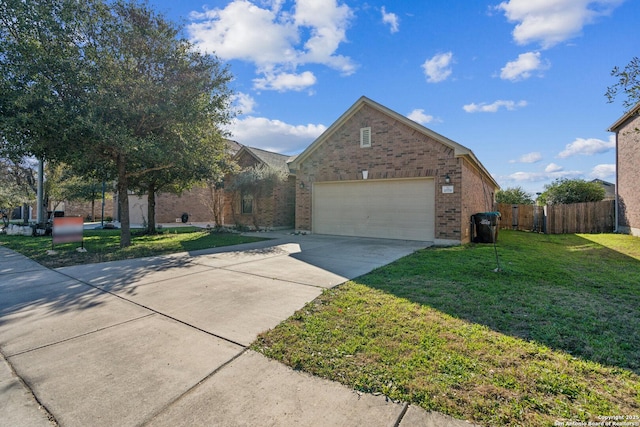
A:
{"x":628,"y":83}
{"x":566,"y":191}
{"x":514,"y":196}
{"x":17,"y":182}
{"x":107,"y":87}
{"x":258,"y":182}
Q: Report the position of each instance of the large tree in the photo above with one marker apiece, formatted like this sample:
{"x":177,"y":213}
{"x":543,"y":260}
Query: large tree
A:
{"x":108,"y":88}
{"x":566,"y":191}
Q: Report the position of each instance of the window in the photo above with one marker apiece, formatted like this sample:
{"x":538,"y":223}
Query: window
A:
{"x":247,"y":204}
{"x":365,"y":137}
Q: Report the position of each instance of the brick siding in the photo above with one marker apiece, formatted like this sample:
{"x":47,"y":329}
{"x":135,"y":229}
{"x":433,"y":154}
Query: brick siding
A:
{"x":397,"y":151}
{"x":628,"y":175}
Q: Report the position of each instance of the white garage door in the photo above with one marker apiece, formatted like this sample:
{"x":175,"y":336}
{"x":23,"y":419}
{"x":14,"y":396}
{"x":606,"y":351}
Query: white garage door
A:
{"x":389,"y":209}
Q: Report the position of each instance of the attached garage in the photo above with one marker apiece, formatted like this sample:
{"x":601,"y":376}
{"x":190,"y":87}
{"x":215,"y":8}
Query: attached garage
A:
{"x":376,"y":173}
{"x":388,"y":208}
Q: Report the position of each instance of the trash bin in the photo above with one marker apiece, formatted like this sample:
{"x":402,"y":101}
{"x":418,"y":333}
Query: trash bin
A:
{"x":184,"y":218}
{"x":486,"y":227}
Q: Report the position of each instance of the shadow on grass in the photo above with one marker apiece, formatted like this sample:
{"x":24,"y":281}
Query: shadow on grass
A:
{"x":565,"y":292}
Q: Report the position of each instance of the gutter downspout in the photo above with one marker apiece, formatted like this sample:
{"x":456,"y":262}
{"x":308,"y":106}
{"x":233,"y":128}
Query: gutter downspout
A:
{"x":615,"y":226}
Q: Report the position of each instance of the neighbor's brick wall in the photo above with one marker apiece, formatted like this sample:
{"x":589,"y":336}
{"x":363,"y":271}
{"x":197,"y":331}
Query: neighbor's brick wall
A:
{"x":397,"y":151}
{"x":477,"y":196}
{"x":83,"y":209}
{"x":193,"y":202}
{"x":628,"y":175}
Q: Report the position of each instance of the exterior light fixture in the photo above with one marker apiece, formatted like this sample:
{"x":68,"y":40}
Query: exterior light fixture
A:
{"x":301,"y":184}
{"x":447,"y":179}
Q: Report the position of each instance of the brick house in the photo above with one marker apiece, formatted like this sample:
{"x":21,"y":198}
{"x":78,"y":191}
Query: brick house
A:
{"x":627,"y":130}
{"x":376,"y":173}
{"x":273,"y":209}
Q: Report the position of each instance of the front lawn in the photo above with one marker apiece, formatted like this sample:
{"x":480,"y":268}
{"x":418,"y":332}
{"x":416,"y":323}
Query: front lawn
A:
{"x":552,"y":337}
{"x":104,"y":245}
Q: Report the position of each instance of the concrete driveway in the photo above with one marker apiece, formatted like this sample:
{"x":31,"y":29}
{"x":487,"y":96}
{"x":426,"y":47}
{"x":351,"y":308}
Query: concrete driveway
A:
{"x":163,"y":341}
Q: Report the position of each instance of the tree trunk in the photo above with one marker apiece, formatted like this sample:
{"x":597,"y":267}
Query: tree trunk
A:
{"x":151,"y":209}
{"x":123,"y":203}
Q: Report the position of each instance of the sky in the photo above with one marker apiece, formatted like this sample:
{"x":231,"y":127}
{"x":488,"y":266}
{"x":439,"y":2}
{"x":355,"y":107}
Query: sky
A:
{"x":519,"y":82}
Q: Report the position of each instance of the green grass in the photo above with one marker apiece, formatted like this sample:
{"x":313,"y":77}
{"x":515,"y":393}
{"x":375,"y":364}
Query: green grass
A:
{"x":104,"y":245}
{"x":553,"y":336}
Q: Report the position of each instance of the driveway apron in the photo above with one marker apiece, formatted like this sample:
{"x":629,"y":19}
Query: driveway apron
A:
{"x":163,"y":340}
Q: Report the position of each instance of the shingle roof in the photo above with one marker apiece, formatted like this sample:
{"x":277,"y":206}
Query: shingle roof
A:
{"x":275,"y":160}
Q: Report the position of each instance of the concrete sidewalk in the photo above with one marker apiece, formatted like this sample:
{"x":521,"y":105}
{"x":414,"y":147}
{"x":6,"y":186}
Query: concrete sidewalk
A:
{"x":163,"y":341}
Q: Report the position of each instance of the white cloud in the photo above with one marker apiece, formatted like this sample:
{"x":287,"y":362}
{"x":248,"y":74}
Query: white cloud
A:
{"x":244,"y":102}
{"x":438,"y":68}
{"x":603,"y":171}
{"x":391,"y":19}
{"x":285,"y":81}
{"x":530,"y":157}
{"x":274,"y":135}
{"x":588,"y":147}
{"x":493,"y":108}
{"x":327,"y":23}
{"x":552,"y":167}
{"x":522,"y":67}
{"x":276,"y":40}
{"x":244,"y":31}
{"x":542,"y":176}
{"x":550,"y":22}
{"x":419,"y":116}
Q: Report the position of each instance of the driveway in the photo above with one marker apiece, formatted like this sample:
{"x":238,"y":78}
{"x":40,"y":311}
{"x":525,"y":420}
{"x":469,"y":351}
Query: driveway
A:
{"x":163,"y":340}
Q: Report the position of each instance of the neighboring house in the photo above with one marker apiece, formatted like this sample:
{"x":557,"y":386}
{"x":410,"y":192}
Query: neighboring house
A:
{"x":376,"y":173}
{"x":627,"y":130}
{"x":272,"y":210}
{"x":609,"y":189}
{"x":275,"y":208}
{"x":200,"y":204}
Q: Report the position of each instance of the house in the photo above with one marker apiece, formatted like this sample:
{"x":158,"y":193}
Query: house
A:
{"x":376,"y":173}
{"x":255,"y":207}
{"x":627,"y":130}
{"x":609,"y":188}
{"x":224,"y":205}
{"x":372,"y":173}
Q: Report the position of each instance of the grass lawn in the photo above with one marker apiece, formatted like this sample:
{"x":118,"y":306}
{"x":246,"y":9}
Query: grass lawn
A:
{"x":104,"y":245}
{"x":554,"y":336}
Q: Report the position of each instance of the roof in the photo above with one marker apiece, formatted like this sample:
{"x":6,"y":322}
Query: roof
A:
{"x":232,"y":146}
{"x":459,"y":150}
{"x":275,"y":160}
{"x":603,"y":182}
{"x":634,"y":111}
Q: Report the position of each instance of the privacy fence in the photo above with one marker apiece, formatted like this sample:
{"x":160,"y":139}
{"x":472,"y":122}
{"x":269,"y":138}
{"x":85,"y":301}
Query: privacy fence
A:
{"x":592,"y":217}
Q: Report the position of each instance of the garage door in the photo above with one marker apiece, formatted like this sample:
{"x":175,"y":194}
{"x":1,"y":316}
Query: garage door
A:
{"x":389,"y":209}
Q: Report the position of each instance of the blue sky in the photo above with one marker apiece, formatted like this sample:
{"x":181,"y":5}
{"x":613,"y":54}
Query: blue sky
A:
{"x":519,"y":82}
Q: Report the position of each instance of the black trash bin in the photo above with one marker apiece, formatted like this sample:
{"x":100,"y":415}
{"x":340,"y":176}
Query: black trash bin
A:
{"x":184,"y":218}
{"x":486,"y":227}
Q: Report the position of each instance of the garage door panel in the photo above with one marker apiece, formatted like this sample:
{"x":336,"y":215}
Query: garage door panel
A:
{"x":394,"y":209}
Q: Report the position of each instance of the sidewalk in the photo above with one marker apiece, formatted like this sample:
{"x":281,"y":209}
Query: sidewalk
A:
{"x":163,"y":341}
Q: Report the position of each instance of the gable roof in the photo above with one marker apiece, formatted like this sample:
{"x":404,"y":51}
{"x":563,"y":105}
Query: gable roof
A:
{"x":232,"y":146}
{"x":459,"y":150}
{"x":269,"y":158}
{"x":635,"y":110}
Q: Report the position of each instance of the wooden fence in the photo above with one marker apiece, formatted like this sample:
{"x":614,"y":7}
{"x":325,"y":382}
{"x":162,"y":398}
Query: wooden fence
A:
{"x":592,"y":217}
